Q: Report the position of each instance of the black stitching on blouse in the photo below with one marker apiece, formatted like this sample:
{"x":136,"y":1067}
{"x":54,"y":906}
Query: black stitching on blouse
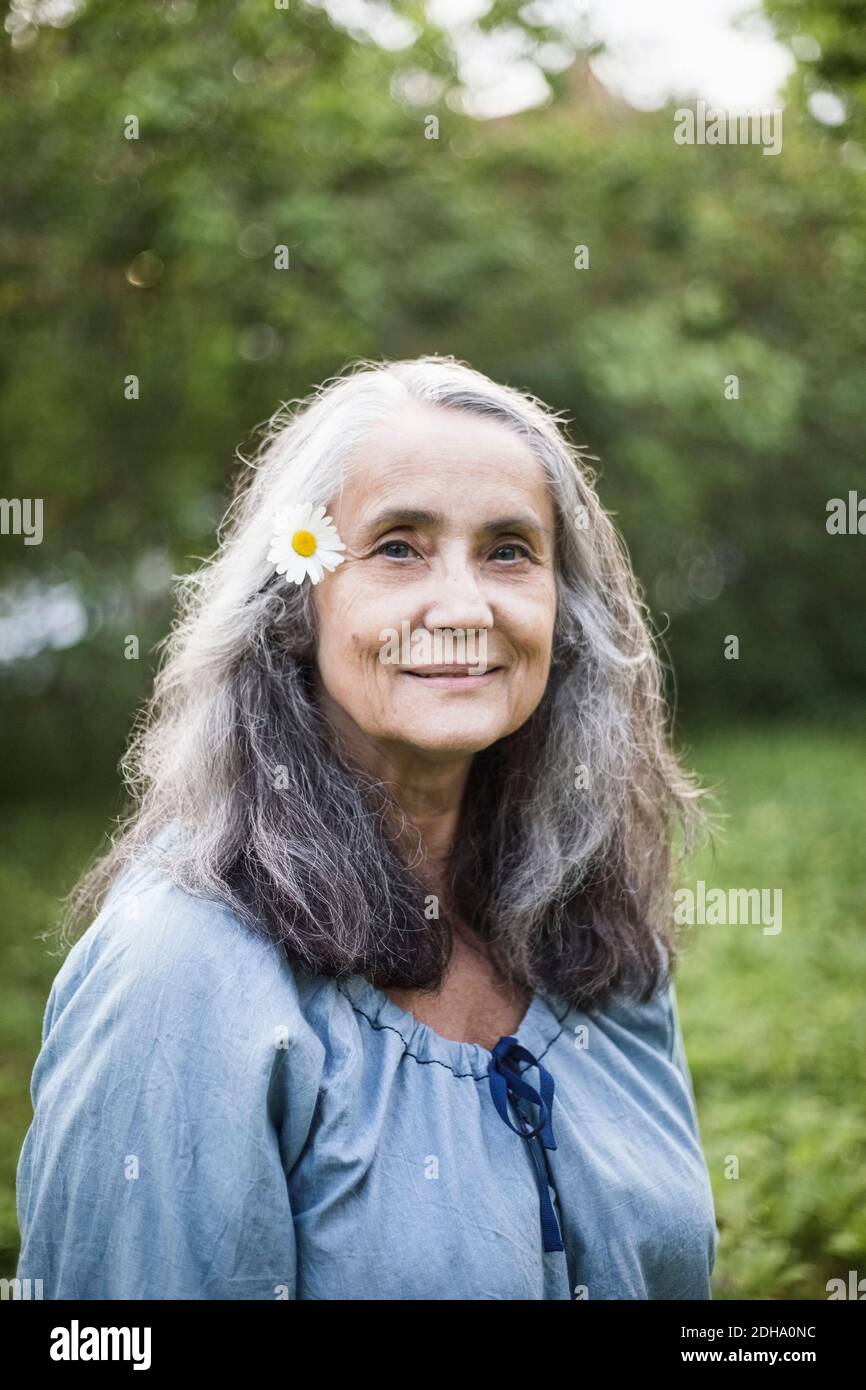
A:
{"x":561,"y":1022}
{"x":435,"y":1061}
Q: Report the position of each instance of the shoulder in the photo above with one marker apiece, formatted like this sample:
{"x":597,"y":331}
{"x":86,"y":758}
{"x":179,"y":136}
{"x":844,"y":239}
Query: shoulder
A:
{"x":652,"y":1021}
{"x":160,"y":961}
{"x":175,"y":1089}
{"x":649,"y":1031}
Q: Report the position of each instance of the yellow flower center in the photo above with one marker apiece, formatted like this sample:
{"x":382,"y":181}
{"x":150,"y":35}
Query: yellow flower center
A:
{"x":304,"y":543}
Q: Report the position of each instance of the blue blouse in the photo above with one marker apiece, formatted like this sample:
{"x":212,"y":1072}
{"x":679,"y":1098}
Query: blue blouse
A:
{"x":213,"y":1123}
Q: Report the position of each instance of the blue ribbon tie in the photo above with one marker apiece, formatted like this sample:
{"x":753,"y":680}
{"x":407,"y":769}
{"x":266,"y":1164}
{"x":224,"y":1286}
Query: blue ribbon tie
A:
{"x":505,"y":1081}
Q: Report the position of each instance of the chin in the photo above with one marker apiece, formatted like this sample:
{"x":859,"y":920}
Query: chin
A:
{"x":453,"y":742}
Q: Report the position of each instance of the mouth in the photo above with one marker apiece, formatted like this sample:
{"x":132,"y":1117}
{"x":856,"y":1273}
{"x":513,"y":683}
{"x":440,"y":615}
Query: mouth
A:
{"x":452,"y":677}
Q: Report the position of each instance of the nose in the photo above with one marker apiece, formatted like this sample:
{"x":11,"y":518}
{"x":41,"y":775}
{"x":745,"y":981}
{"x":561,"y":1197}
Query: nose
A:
{"x":456,"y":598}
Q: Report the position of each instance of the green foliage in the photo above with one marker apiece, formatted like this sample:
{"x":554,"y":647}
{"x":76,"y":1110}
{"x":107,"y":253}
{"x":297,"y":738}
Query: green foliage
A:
{"x":774,"y":1025}
{"x":154,"y":257}
{"x":829,"y":38}
{"x":32,"y":837}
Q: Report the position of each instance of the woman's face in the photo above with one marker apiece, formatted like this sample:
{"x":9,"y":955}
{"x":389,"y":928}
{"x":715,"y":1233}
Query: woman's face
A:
{"x":449,"y":529}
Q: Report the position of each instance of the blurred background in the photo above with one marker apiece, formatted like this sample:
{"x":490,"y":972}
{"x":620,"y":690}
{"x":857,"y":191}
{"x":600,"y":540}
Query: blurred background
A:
{"x":431,"y":171}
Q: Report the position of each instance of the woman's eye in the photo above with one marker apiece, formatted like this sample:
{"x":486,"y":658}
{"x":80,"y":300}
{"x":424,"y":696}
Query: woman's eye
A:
{"x":394,"y":550}
{"x":517,"y":552}
{"x":509,"y":552}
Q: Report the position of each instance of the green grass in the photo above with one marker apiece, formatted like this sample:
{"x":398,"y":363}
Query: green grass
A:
{"x":774,"y":1025}
{"x":43,"y":852}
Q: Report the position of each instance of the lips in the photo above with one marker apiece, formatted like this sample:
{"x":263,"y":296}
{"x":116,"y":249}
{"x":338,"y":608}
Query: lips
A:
{"x":426,"y":672}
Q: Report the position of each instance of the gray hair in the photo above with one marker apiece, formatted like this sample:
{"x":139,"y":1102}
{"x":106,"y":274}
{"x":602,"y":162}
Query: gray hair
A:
{"x":568,"y":883}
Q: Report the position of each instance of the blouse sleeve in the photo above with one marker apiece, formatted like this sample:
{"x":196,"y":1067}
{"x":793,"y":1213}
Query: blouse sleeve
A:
{"x":677,"y":1055}
{"x":676,"y":1046}
{"x":174,"y":1089}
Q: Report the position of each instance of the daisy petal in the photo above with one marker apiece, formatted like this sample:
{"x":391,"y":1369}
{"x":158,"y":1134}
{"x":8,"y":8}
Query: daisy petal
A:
{"x":304,"y":516}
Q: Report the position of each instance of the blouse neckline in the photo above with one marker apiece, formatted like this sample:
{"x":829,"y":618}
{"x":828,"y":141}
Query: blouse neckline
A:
{"x":540,"y":1027}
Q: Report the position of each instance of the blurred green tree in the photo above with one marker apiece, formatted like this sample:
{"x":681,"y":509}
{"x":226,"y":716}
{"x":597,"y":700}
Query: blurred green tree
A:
{"x":155,"y":158}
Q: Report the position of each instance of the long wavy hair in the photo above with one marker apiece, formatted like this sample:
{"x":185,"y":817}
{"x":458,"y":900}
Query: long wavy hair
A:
{"x":563,"y":857}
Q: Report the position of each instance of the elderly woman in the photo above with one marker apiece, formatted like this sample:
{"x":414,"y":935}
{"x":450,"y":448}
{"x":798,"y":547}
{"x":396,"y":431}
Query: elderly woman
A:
{"x":378,"y":1000}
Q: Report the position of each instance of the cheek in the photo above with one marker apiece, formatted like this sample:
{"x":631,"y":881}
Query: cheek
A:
{"x":345,"y":659}
{"x":532,"y":625}
{"x":344,"y":613}
{"x":350,"y":640}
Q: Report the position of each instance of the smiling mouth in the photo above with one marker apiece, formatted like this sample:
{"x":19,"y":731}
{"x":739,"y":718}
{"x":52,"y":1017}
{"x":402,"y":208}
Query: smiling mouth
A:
{"x":436,"y":673}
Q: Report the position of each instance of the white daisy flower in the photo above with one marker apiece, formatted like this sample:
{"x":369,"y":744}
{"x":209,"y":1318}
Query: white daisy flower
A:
{"x":305,"y":543}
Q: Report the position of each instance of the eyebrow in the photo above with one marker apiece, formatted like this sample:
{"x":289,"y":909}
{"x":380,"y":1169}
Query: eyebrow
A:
{"x":395,"y":517}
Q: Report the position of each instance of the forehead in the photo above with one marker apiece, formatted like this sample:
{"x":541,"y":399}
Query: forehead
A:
{"x":437,"y":454}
